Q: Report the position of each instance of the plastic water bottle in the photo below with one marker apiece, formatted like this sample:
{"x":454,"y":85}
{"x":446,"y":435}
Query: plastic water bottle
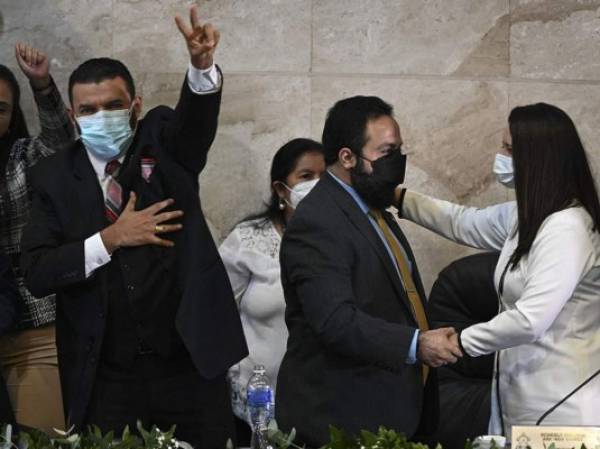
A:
{"x":260,"y":406}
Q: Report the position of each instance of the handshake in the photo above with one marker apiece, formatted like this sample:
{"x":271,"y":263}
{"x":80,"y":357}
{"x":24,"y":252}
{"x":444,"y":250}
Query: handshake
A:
{"x":438,"y":347}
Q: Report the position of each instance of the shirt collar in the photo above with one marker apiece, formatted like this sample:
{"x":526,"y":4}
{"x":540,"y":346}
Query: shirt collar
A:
{"x":99,"y":165}
{"x":353,"y":193}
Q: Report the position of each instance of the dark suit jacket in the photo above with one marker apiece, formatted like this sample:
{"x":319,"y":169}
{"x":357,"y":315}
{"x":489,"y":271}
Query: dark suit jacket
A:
{"x":10,"y":308}
{"x":68,"y":207}
{"x":10,"y":300}
{"x":350,"y":325}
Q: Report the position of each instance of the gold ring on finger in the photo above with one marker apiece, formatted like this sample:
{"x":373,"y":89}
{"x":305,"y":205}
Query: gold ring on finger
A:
{"x":159,"y":228}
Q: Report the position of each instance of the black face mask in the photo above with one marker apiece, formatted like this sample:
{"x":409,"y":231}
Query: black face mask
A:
{"x":377,"y":188}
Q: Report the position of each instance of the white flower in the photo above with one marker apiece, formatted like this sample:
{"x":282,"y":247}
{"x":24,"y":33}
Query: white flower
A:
{"x":64,"y":433}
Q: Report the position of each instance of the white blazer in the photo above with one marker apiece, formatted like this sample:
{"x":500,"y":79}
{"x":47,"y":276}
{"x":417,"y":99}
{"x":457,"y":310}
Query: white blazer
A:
{"x":547,"y":332}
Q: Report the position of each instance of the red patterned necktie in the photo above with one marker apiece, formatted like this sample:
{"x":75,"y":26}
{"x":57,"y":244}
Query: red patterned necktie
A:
{"x":114,"y":193}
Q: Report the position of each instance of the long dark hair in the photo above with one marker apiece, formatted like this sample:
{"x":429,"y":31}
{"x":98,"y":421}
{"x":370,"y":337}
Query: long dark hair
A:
{"x":17,"y":129}
{"x":284,"y":163}
{"x":552,"y":172}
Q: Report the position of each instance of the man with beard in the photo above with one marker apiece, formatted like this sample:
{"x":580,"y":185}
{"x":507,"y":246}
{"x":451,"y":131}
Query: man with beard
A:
{"x":359,"y":347}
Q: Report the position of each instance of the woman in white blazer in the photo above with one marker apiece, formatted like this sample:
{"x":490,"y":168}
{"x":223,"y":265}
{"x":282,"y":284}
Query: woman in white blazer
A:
{"x":547,"y":332}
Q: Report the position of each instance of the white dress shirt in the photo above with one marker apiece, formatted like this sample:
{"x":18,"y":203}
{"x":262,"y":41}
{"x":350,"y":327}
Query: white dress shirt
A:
{"x":547,"y":331}
{"x":201,"y":82}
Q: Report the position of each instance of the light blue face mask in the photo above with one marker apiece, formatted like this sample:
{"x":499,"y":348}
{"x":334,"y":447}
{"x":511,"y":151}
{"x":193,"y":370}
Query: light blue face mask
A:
{"x":106,"y":134}
{"x":503,"y":169}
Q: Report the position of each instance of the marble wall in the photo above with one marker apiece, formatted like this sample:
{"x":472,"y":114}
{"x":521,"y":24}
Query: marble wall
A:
{"x":453,"y":69}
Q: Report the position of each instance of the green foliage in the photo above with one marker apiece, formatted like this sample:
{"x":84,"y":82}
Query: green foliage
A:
{"x":383,"y":439}
{"x":338,"y":439}
{"x":474,"y":445}
{"x":92,"y":438}
{"x":280,"y":440}
{"x":154,"y":438}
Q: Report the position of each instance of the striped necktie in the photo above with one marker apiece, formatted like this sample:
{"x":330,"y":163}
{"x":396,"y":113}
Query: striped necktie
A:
{"x":407,"y":279}
{"x":114,"y":192}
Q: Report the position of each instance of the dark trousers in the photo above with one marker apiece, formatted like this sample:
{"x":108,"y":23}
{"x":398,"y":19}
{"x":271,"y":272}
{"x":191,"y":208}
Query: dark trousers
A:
{"x":6,"y":412}
{"x":243,"y":432}
{"x":162,"y":393}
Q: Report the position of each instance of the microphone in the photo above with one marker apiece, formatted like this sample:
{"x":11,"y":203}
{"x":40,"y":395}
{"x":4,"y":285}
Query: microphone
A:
{"x":563,"y":400}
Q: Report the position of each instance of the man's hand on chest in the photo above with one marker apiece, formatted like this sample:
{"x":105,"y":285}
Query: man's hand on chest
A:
{"x":141,"y":227}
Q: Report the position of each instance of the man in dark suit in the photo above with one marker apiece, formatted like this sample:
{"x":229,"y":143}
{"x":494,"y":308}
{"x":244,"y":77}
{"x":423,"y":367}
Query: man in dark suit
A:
{"x":10,"y":310}
{"x":146,"y":325}
{"x":359,"y":346}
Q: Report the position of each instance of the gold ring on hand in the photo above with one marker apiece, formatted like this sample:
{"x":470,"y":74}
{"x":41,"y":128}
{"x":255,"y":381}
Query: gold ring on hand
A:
{"x":159,"y":228}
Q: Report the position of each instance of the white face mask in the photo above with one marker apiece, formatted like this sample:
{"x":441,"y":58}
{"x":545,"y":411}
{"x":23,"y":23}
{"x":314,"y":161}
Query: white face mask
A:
{"x":503,"y":169}
{"x":299,"y":191}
